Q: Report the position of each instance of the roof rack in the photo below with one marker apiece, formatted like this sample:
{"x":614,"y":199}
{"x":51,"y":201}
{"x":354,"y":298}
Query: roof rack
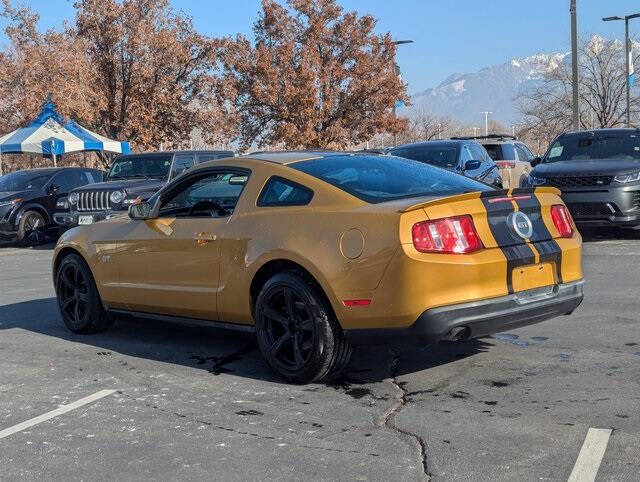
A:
{"x":488,"y":136}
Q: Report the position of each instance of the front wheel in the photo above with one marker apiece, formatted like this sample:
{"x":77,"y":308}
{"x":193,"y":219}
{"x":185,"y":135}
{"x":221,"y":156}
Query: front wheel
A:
{"x":78,"y":299}
{"x":297,"y":332}
{"x":31,"y":228}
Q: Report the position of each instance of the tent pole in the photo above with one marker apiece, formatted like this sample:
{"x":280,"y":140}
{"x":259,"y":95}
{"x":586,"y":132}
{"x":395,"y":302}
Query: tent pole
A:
{"x":55,"y":161}
{"x":1,"y":173}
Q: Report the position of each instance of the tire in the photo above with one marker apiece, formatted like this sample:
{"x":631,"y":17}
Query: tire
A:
{"x":522,"y":180}
{"x":297,"y":332}
{"x":78,"y":299}
{"x":30,"y":231}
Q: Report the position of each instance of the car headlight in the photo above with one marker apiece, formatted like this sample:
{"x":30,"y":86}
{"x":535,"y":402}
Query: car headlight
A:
{"x":73,"y":198}
{"x":12,"y":202}
{"x":116,"y":197}
{"x":624,"y":178}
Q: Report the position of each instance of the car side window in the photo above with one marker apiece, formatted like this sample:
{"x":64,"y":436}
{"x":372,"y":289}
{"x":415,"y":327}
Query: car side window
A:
{"x":478,"y":153}
{"x":214,"y":195}
{"x":528,"y":155}
{"x":465,"y":154}
{"x":68,"y":180}
{"x":282,"y":192}
{"x":181,"y":163}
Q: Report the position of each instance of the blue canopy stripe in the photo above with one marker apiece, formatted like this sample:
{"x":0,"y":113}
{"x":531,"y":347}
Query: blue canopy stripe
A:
{"x":49,"y":136}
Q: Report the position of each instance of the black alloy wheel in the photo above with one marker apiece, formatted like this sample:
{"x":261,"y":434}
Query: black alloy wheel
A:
{"x":297,"y":332}
{"x":289,"y":327}
{"x":31,"y":231}
{"x":78,"y":299}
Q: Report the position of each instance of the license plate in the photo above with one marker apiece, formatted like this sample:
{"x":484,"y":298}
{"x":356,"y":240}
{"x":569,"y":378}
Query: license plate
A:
{"x":85,"y":219}
{"x":533,"y":276}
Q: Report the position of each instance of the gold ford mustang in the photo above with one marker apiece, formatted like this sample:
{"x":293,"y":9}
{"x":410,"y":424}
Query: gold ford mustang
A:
{"x":316,"y":251}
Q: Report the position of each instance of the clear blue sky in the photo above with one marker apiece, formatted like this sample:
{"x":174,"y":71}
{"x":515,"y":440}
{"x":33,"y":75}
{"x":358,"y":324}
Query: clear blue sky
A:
{"x":450,"y":36}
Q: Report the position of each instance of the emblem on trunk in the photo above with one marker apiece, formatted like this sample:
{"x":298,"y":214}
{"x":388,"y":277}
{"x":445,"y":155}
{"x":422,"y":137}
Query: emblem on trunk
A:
{"x":521,"y":224}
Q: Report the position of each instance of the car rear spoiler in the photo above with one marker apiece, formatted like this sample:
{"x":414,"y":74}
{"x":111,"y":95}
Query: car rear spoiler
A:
{"x":485,"y":194}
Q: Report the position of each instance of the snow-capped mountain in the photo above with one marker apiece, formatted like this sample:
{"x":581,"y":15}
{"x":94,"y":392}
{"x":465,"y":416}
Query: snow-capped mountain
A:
{"x":463,"y":96}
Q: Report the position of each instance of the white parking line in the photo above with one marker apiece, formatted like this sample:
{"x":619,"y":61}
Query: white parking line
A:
{"x":590,"y":456}
{"x":54,"y":413}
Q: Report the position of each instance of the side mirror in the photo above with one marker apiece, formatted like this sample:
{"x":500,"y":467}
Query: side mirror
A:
{"x":140,"y":211}
{"x":53,"y":189}
{"x":535,"y":161}
{"x":472,"y":165}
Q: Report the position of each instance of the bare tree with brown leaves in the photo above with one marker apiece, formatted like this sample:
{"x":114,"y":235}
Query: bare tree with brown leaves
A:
{"x":547,"y":109}
{"x":316,"y":76}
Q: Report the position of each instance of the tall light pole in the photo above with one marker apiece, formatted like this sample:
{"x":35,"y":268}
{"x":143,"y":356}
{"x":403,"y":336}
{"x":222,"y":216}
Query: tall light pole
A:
{"x":475,"y":129}
{"x":627,"y":57}
{"x":396,"y":70}
{"x":574,"y":62}
{"x":486,"y":121}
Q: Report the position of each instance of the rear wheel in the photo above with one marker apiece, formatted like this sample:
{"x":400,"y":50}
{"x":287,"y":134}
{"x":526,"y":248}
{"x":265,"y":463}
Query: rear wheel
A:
{"x":31,"y":228}
{"x":78,"y":299}
{"x":297,"y":332}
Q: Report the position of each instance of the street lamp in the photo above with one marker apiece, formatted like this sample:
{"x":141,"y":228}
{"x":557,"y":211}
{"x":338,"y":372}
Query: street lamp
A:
{"x":396,"y":69}
{"x":574,"y":63}
{"x":628,"y":59}
{"x":486,"y":121}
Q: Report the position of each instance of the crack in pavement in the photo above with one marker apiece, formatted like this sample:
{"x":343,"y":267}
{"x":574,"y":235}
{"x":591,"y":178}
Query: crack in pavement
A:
{"x":387,"y":419}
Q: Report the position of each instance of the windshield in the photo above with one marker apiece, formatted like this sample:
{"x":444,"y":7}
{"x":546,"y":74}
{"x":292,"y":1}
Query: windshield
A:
{"x":383,"y":178}
{"x":142,"y":166}
{"x":23,"y":181}
{"x":618,"y":146}
{"x":439,"y":156}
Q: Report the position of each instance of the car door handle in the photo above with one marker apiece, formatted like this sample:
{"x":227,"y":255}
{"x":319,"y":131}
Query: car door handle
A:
{"x":204,"y":238}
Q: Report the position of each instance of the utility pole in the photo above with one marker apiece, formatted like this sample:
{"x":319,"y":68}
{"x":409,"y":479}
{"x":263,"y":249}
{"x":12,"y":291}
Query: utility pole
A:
{"x":574,"y":62}
{"x":396,"y":70}
{"x":475,"y":129}
{"x":628,"y":57}
{"x":486,"y":121}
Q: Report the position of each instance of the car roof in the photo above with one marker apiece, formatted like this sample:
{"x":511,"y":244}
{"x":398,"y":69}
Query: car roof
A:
{"x":192,"y":151}
{"x":288,"y":157}
{"x":442,"y":142}
{"x":607,"y":130}
{"x":53,"y":170}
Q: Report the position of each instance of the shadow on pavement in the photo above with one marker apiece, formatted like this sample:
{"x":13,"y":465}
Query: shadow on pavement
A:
{"x":222,"y":351}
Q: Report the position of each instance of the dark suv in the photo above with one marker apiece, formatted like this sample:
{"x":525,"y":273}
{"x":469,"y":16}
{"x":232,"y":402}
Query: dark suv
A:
{"x":464,"y":157}
{"x":29,"y":198}
{"x":598,"y":172}
{"x":131,"y":177}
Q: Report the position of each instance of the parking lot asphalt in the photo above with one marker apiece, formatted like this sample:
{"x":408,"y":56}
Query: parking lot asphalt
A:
{"x":193,"y":403}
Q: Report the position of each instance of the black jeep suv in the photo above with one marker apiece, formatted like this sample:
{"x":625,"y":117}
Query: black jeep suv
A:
{"x":598,"y":172}
{"x":131,"y":177}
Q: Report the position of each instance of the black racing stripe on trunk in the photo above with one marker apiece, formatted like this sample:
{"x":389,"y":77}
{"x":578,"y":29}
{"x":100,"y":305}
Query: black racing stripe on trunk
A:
{"x":513,"y":247}
{"x":541,"y":235}
{"x":551,"y":251}
{"x":519,"y":255}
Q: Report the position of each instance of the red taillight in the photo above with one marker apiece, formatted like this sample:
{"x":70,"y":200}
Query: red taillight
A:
{"x":562,"y":220}
{"x":448,"y":235}
{"x":506,"y":164}
{"x":362,"y":302}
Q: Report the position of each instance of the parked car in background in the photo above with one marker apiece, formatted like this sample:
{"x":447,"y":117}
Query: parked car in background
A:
{"x":131,"y":178}
{"x":598,"y":172}
{"x":464,"y":157}
{"x":29,"y":199}
{"x":314,"y":252}
{"x":512,"y":157}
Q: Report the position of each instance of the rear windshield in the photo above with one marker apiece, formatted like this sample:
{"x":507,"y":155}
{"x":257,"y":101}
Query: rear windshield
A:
{"x":377,"y":179}
{"x":616,"y":146}
{"x":500,"y":152}
{"x":156,"y":166}
{"x":439,"y":156}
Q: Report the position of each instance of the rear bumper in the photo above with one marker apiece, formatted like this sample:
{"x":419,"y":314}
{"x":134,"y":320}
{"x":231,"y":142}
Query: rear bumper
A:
{"x":481,"y":318}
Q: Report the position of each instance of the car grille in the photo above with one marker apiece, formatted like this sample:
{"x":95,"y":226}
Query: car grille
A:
{"x":588,"y":210}
{"x":582,"y":181}
{"x":94,"y":201}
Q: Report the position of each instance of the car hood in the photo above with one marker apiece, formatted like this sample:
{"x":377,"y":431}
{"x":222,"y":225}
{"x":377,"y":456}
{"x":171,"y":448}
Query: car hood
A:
{"x":591,"y":167}
{"x":8,"y":196}
{"x":131,"y":186}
